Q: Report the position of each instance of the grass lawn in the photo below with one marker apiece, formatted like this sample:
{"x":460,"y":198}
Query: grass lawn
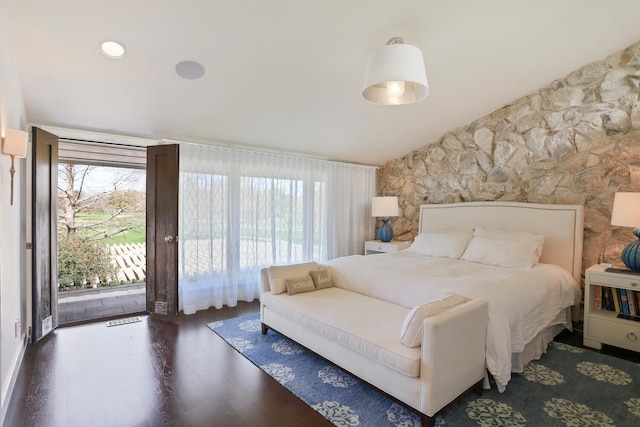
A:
{"x":110,"y":230}
{"x":136,"y":235}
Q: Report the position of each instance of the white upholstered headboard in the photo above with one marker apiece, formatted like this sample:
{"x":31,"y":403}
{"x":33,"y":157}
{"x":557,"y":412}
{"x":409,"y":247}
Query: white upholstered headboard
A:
{"x":561,"y":225}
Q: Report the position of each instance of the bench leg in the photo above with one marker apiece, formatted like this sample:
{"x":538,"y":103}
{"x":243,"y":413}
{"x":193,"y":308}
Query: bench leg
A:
{"x":427,"y":421}
{"x":265,"y":328}
{"x":478,"y":388}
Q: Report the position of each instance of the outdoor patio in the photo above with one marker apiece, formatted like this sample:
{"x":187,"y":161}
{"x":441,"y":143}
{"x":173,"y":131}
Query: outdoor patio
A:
{"x":99,"y":303}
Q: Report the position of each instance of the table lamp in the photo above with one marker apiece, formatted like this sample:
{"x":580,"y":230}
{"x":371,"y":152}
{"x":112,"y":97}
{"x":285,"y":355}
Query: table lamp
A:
{"x":385,"y":207}
{"x":626,"y":213}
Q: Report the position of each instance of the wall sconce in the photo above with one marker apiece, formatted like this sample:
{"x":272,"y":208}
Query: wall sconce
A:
{"x":15,"y":144}
{"x":395,"y":75}
{"x":626,"y":213}
{"x":385,"y":207}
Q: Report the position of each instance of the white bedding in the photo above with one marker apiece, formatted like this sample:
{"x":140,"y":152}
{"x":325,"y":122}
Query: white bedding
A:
{"x":522,"y":302}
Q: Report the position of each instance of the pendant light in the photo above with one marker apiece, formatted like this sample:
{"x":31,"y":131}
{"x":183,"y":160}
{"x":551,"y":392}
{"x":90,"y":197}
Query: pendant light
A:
{"x":395,"y":75}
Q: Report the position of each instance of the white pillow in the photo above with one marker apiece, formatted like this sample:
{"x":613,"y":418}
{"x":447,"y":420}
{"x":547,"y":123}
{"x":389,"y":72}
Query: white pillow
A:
{"x":523,"y":237}
{"x":446,"y":243}
{"x":411,"y":334}
{"x":279,"y":274}
{"x":501,"y":252}
{"x":536,"y":240}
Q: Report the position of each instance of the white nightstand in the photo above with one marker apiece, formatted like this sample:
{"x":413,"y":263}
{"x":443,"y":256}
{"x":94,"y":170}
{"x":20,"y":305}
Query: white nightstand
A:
{"x":603,"y":326}
{"x":376,"y":246}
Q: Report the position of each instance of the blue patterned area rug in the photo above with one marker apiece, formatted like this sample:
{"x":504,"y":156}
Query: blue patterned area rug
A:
{"x":569,"y":386}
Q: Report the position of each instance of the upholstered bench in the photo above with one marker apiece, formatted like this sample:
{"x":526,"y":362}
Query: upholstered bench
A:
{"x":443,"y":359}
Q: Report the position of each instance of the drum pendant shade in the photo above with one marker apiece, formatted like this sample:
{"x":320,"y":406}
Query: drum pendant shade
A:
{"x":395,"y":75}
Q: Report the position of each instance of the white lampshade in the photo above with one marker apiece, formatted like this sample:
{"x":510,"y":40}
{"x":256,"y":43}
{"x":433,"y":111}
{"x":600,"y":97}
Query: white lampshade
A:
{"x":626,"y":210}
{"x":384,"y":207}
{"x":15,"y":143}
{"x":395,"y":75}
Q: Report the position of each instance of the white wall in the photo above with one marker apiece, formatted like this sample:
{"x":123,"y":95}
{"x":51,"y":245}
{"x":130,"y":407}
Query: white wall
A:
{"x":13,"y":289}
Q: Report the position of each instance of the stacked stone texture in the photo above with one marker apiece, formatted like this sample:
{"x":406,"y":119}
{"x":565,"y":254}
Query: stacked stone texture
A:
{"x":576,"y":141}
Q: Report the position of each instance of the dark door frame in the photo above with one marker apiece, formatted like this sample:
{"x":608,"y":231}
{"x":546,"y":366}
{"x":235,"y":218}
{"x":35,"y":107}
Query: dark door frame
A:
{"x":162,"y":229}
{"x":44,"y":205}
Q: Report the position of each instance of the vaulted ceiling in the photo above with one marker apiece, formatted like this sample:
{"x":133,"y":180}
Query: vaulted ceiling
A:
{"x":286,"y":75}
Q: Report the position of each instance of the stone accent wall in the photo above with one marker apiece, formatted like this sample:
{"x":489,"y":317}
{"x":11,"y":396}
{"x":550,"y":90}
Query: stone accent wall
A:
{"x":576,"y":141}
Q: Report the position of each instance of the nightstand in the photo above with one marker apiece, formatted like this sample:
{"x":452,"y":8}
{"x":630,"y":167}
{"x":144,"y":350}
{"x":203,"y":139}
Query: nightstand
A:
{"x":377,"y":247}
{"x":602,"y":324}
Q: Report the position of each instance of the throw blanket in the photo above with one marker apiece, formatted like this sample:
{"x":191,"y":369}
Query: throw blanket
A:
{"x":522,"y":302}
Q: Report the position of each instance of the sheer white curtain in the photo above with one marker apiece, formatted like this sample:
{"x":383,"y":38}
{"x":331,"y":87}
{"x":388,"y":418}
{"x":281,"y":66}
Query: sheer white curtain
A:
{"x":241,"y":211}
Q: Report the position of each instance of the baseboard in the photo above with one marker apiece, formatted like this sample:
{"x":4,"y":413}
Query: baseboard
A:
{"x":17,"y":364}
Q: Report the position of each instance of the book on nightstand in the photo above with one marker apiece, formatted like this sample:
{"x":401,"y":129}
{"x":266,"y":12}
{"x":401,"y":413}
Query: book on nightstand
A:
{"x":631,"y":299}
{"x":615,"y":296}
{"x":597,"y":303}
{"x":621,"y":270}
{"x":607,"y":303}
{"x":624,"y":301}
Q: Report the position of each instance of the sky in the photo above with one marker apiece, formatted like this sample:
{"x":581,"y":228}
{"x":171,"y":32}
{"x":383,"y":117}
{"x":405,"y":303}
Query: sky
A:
{"x":101,"y":178}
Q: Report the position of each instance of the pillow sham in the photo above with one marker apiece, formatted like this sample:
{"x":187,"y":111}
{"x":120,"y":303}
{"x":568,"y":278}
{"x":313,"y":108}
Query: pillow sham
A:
{"x":299,"y":285}
{"x":445,"y":243}
{"x":536,"y":240}
{"x":279,"y":273}
{"x":411,"y":334}
{"x":501,"y":252}
{"x":321,"y":278}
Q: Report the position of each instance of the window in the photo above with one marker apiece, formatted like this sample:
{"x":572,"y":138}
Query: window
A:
{"x":242,"y":211}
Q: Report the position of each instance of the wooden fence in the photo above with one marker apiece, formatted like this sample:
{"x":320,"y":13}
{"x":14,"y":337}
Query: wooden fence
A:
{"x":131,"y":261}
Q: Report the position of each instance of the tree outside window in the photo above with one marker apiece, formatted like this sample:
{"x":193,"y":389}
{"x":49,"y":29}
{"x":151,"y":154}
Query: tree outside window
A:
{"x":97,"y":207}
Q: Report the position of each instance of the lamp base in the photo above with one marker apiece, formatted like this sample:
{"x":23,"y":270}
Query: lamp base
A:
{"x":385,"y":232}
{"x":631,"y":253}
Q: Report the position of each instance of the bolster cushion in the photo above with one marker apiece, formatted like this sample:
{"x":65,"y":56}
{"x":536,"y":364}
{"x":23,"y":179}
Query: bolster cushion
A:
{"x":411,"y":334}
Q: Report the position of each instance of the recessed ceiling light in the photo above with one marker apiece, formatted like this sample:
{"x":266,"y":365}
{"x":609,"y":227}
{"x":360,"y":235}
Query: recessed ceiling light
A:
{"x":189,"y":70}
{"x":112,"y":49}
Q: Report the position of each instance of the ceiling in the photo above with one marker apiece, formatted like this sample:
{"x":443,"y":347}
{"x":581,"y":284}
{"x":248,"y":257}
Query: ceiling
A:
{"x":286,"y":75}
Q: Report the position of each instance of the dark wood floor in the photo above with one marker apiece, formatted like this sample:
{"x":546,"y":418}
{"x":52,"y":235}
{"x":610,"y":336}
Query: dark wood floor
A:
{"x":159,"y":372}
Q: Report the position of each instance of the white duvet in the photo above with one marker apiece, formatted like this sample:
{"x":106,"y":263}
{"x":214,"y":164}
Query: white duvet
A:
{"x":522,"y":302}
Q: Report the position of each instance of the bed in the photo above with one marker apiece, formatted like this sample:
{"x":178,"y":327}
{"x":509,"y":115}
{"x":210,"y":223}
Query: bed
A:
{"x":360,"y":315}
{"x":527,"y":306}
